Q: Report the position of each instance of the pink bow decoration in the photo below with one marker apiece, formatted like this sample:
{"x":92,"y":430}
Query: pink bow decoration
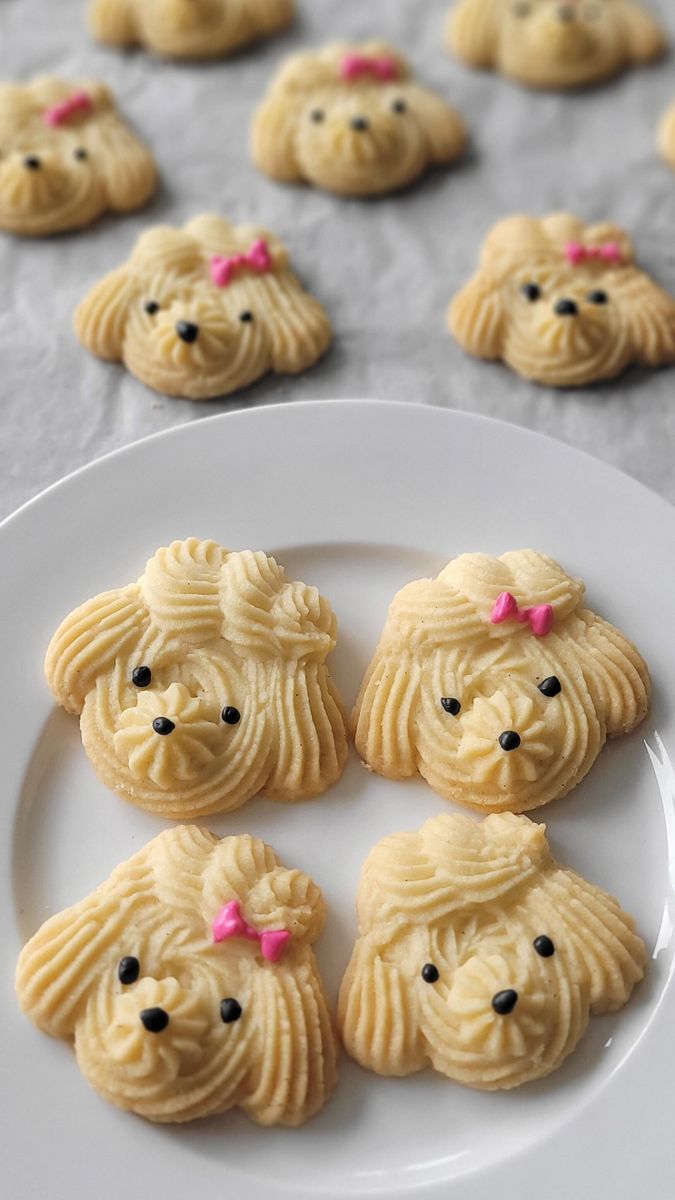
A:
{"x":353,"y":66}
{"x":576,"y":253}
{"x":258,"y":258}
{"x":229,"y":923}
{"x":540,"y":617}
{"x":65,"y":109}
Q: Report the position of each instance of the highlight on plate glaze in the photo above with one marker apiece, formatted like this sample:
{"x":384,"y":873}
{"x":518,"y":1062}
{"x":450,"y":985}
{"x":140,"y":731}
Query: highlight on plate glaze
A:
{"x":188,"y":28}
{"x":204,"y":683}
{"x":350,"y":118}
{"x":165,"y":1021}
{"x":66,"y":157}
{"x":555,"y":43}
{"x":480,"y":955}
{"x":563,"y":303}
{"x":499,"y":715}
{"x":204,"y":310}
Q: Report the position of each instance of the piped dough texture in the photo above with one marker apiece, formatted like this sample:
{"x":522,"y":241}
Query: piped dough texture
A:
{"x":563,"y":303}
{"x":555,"y":43}
{"x":204,"y":310}
{"x":350,"y":118}
{"x":494,"y":715}
{"x":666,"y":137}
{"x":188,"y":29}
{"x":170,"y":1022}
{"x":67,"y":157}
{"x":204,"y":683}
{"x":479,"y":955}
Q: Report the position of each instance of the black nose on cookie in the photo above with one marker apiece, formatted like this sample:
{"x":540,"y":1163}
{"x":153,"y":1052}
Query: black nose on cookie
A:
{"x":566,"y":308}
{"x":163,"y":726}
{"x":32,"y":162}
{"x":155,"y":1019}
{"x":360,"y":124}
{"x":505,"y":1002}
{"x":186,"y":331}
{"x":509,"y":739}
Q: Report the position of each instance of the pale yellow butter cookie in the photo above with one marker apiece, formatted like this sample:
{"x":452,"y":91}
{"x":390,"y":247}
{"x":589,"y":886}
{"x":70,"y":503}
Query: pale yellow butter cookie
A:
{"x":66,"y":157}
{"x":204,"y":683}
{"x":188,"y":983}
{"x":555,"y":43}
{"x":479,"y":955}
{"x":495,"y":684}
{"x":563,"y":303}
{"x":351,"y":119}
{"x":667,"y":136}
{"x":188,"y":28}
{"x":204,"y":310}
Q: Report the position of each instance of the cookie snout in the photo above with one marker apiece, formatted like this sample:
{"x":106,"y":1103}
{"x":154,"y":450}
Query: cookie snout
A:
{"x":170,"y":735}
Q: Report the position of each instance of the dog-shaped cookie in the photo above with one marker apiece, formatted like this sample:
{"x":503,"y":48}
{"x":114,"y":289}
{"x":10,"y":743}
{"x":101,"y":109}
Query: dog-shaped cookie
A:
{"x":563,"y":303}
{"x":66,"y":157}
{"x":350,"y":119}
{"x":204,"y":683}
{"x":496,"y":685}
{"x":555,"y":43}
{"x":204,"y":310}
{"x":188,"y":983}
{"x":479,"y":955}
{"x":188,"y":28}
{"x":667,"y":136}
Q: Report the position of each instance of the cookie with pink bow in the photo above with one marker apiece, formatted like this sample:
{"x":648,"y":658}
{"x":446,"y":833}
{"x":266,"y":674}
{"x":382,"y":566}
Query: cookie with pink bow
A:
{"x":67,"y":157}
{"x":188,"y":984}
{"x":496,"y":685}
{"x":204,"y":310}
{"x":351,"y":119}
{"x":563,"y":303}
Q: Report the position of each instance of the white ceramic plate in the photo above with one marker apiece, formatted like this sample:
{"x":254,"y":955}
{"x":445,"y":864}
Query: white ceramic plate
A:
{"x":357,"y":498}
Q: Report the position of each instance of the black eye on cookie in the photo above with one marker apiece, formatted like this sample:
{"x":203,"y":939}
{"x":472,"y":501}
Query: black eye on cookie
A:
{"x":551,"y":686}
{"x":430,"y":973}
{"x":451,"y":705}
{"x":544,"y":946}
{"x":128,"y":969}
{"x":531,"y":291}
{"x":231,"y":715}
{"x":81,"y":154}
{"x":598,"y":297}
{"x":317,"y":115}
{"x":230,"y":1010}
{"x":399,"y":106}
{"x":141,"y":677}
{"x":246,"y":316}
{"x":151,"y":307}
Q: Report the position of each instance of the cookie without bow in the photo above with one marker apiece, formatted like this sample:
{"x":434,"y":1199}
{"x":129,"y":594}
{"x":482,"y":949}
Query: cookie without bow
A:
{"x":188,"y":983}
{"x":351,"y":119}
{"x":563,"y":303}
{"x":188,"y":28}
{"x":479,"y":955}
{"x":555,"y":43}
{"x":204,"y":310}
{"x":204,"y":683}
{"x":67,"y":157}
{"x":496,"y":685}
{"x":667,"y":136}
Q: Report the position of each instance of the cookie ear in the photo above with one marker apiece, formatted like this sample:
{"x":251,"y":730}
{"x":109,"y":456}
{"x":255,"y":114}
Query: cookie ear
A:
{"x":274,"y":135}
{"x":127,"y":167}
{"x":442,"y":126}
{"x":100,"y":318}
{"x":374,"y":1014}
{"x":473,"y":31}
{"x":666,"y":136}
{"x":616,"y":674}
{"x":113,"y":21}
{"x":645,"y":38}
{"x":86,"y":644}
{"x":268,"y":616}
{"x":477,"y":317}
{"x":295,"y":1066}
{"x":310,"y":742}
{"x":649,"y":312}
{"x":298,"y":326}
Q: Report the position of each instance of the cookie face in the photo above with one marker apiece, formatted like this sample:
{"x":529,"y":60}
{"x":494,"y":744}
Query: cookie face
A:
{"x":496,"y":685}
{"x":188,"y":983}
{"x":188,"y":28}
{"x":66,"y":157}
{"x":667,"y":136}
{"x":546,"y":43}
{"x":350,"y":119}
{"x":204,"y":683}
{"x":204,"y":310}
{"x":479,"y":955}
{"x":563,"y":303}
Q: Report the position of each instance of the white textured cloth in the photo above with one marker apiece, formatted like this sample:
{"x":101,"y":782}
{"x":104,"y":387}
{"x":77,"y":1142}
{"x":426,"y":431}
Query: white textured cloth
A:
{"x":385,"y":269}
